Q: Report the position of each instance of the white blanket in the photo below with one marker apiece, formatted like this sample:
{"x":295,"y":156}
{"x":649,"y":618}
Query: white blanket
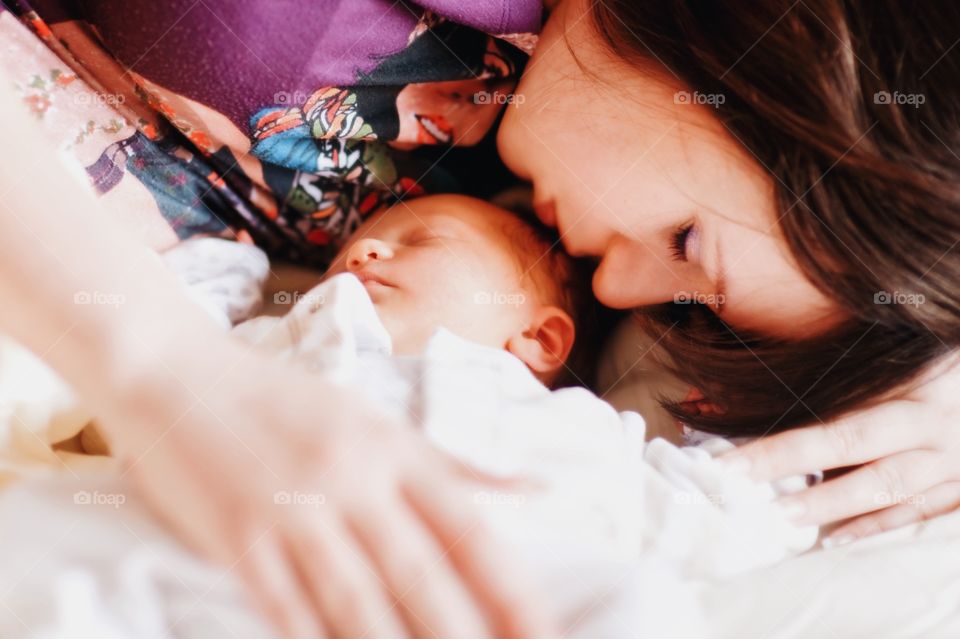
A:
{"x":605,"y":488}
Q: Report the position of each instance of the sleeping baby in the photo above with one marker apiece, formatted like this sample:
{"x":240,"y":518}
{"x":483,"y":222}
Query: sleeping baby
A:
{"x":478,"y":270}
{"x":474,"y":269}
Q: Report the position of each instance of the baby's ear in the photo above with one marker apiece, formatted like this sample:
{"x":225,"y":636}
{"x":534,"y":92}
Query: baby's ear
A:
{"x":546,"y":343}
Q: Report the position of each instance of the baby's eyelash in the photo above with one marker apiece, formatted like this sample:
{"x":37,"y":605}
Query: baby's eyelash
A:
{"x":678,"y":243}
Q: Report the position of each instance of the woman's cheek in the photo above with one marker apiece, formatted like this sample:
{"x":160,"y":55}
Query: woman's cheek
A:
{"x":508,"y":145}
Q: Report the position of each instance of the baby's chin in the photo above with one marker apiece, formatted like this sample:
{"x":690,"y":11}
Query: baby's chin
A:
{"x":409,"y":333}
{"x":379,"y":293}
{"x":404,"y":340}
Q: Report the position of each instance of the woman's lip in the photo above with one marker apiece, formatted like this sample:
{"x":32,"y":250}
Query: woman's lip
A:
{"x":547,"y":212}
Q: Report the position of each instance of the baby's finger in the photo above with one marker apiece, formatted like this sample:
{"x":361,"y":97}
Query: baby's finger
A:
{"x":500,"y":584}
{"x":939,"y":500}
{"x":852,"y":441}
{"x":267,"y":572}
{"x":343,"y":585}
{"x":866,"y":489}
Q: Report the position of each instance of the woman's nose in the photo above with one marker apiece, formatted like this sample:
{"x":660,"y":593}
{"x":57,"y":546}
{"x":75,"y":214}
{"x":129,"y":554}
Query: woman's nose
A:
{"x":367,"y":250}
{"x":632,"y":274}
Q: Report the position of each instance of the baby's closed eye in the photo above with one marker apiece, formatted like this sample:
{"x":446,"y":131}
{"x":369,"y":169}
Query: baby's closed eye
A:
{"x":427,"y":236}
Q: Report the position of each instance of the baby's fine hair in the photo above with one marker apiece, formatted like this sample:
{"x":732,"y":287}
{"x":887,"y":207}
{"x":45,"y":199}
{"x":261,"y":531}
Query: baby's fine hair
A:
{"x":566,"y":282}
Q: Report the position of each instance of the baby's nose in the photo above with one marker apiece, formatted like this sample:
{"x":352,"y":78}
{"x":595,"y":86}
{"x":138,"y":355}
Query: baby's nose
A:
{"x":367,"y":250}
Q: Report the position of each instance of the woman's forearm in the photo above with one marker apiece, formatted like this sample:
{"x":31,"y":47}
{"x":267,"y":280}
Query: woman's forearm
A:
{"x":95,"y":303}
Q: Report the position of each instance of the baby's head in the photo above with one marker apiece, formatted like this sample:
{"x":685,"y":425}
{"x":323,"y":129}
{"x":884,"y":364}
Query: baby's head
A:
{"x":478,"y":270}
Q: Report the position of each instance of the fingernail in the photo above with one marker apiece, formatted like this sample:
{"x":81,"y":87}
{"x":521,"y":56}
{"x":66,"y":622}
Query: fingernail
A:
{"x":837,"y":540}
{"x":793,"y":508}
{"x":736,"y":464}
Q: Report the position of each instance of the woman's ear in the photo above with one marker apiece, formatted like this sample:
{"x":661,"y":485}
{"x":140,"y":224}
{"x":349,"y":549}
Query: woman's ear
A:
{"x":546,"y":343}
{"x":696,"y":404}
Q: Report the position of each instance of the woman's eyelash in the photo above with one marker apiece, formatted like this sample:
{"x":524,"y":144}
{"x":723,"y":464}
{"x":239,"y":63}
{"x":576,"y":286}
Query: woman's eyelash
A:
{"x":678,"y":243}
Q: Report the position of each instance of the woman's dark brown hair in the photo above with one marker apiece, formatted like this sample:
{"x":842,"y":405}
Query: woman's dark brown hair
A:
{"x":854,"y":108}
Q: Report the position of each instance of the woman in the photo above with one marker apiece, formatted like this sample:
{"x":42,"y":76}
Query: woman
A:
{"x":677,"y":188}
{"x":794,"y":167}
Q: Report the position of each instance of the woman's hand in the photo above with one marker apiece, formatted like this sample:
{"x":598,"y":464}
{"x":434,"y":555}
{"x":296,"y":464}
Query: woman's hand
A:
{"x":341,"y":522}
{"x":905,"y":454}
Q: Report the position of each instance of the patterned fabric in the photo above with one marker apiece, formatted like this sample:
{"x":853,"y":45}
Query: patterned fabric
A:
{"x":291,"y":121}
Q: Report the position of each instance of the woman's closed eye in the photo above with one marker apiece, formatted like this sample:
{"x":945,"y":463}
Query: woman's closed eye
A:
{"x":683,"y":241}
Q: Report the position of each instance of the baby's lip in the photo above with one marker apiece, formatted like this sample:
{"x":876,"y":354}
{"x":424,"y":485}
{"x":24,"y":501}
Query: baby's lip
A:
{"x":367,"y":277}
